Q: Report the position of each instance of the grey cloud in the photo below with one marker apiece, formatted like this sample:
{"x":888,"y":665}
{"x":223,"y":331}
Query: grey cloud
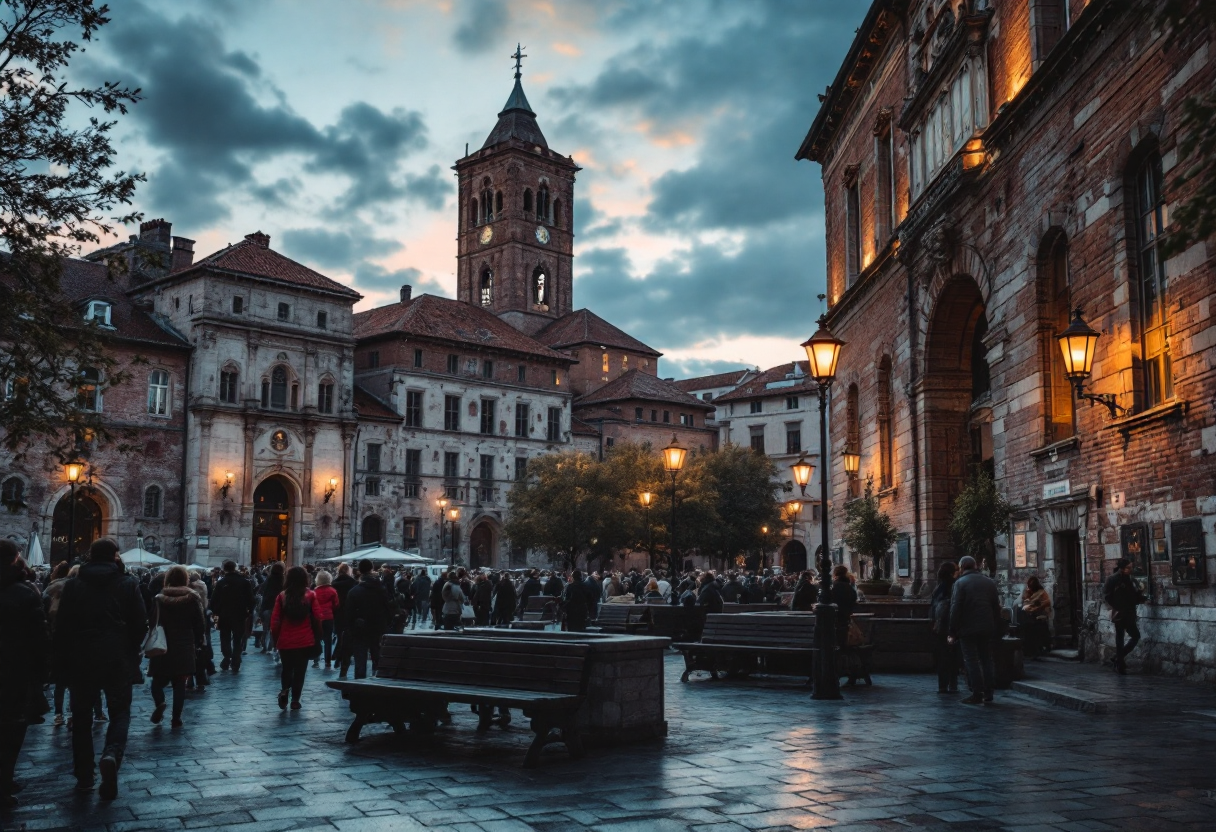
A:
{"x":590,"y":223}
{"x":431,"y":189}
{"x":482,"y":24}
{"x":334,"y":249}
{"x":375,"y":277}
{"x":690,"y":368}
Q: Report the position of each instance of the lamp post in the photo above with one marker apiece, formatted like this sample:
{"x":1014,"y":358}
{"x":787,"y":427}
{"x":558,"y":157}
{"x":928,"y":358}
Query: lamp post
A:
{"x":454,"y":516}
{"x":792,"y":508}
{"x":763,"y":546}
{"x":673,"y":461}
{"x":1078,"y":344}
{"x":74,"y":470}
{"x":823,"y":352}
{"x":646,"y":499}
{"x":442,"y":502}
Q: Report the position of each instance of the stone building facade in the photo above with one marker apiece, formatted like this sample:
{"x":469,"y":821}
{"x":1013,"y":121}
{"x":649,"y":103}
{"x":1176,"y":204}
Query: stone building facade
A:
{"x":989,"y":167}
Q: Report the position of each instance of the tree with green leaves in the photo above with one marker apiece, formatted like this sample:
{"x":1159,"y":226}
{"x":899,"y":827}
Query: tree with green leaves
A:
{"x":980,"y":513}
{"x":56,"y":189}
{"x":868,"y":531}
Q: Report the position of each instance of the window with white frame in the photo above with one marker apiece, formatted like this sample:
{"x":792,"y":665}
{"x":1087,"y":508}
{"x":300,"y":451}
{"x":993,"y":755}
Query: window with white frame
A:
{"x":98,"y":312}
{"x":158,"y":393}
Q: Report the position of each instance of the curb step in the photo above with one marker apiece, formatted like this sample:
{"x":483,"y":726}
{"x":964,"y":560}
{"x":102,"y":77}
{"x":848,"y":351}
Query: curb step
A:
{"x":1064,"y":696}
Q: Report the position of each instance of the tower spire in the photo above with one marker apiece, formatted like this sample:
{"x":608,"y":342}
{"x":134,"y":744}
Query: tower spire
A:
{"x":519,"y":57}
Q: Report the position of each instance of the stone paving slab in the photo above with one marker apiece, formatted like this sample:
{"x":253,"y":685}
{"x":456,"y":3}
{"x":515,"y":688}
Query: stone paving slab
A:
{"x":741,"y":755}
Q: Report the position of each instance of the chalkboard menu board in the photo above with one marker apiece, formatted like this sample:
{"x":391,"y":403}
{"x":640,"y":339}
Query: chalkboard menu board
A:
{"x":1189,"y":557}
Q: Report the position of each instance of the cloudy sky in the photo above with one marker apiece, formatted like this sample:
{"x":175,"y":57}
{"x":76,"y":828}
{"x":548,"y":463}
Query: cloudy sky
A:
{"x":333,"y":126}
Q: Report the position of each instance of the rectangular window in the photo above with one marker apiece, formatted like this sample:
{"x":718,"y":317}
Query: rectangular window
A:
{"x":522,"y":423}
{"x":371,"y":486}
{"x":757,"y":407}
{"x":284,"y":311}
{"x":521,"y":468}
{"x":238,"y":305}
{"x":487,"y":467}
{"x":791,"y":402}
{"x":815,"y":513}
{"x":609,"y":442}
{"x":88,"y":392}
{"x":557,"y":381}
{"x":667,"y":417}
{"x":409,"y":533}
{"x":325,"y":398}
{"x":295,"y":396}
{"x":852,"y":233}
{"x":373,"y":359}
{"x":1048,"y":22}
{"x":413,"y":408}
{"x":417,"y":358}
{"x":228,"y":387}
{"x":373,"y":456}
{"x":637,"y":413}
{"x":757,"y":437}
{"x":413,"y":463}
{"x":521,"y":373}
{"x":654,"y":415}
{"x":1158,"y":374}
{"x":707,"y":397}
{"x":487,"y":416}
{"x":453,"y":364}
{"x":793,"y":440}
{"x":605,"y":363}
{"x":451,"y":465}
{"x":451,"y":412}
{"x":152,"y":501}
{"x":884,"y":189}
{"x":158,"y":393}
{"x":487,"y":369}
{"x":322,"y":320}
{"x":554,"y":432}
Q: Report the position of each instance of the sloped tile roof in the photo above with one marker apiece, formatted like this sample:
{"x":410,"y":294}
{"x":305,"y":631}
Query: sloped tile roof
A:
{"x":583,"y":326}
{"x":581,"y":428}
{"x":253,"y":257}
{"x":83,"y":281}
{"x":759,"y":387}
{"x":729,"y":379}
{"x":638,"y":385}
{"x":516,"y":121}
{"x":368,"y":406}
{"x":430,"y":316}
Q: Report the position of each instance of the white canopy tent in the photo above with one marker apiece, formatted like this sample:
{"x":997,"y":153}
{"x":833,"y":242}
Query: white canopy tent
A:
{"x":378,"y":553}
{"x":142,"y":557}
{"x":35,"y":557}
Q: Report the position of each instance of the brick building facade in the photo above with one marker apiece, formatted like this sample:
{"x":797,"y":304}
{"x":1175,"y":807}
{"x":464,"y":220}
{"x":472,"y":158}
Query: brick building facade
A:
{"x":988,"y":167}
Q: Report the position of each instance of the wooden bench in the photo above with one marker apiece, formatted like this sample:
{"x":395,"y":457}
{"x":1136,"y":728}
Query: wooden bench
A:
{"x":737,"y":609}
{"x":420,"y":674}
{"x":622,"y":618}
{"x":742,"y":644}
{"x":675,"y":623}
{"x":539,"y":613}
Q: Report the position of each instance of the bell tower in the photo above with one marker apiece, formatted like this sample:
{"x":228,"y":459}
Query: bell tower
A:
{"x":515,"y":246}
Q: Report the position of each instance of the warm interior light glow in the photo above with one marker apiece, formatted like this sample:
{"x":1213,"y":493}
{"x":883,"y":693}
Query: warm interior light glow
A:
{"x":229,"y":477}
{"x":646,"y":498}
{"x":1078,"y":344}
{"x":852,"y":461}
{"x":673,"y":456}
{"x":454,"y":514}
{"x":822,"y":353}
{"x":442,"y":502}
{"x":803,"y":471}
{"x":74,"y":470}
{"x":793,"y":507}
{"x":333,"y":482}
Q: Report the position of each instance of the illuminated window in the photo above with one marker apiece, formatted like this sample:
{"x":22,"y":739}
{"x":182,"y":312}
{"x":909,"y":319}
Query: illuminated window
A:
{"x":1151,"y":221}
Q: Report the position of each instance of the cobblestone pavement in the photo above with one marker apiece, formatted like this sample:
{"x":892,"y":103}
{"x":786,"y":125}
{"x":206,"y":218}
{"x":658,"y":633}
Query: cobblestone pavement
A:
{"x":741,"y":756}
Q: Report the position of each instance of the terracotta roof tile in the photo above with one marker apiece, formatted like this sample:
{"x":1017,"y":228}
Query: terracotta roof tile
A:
{"x":581,"y":428}
{"x":368,"y":406}
{"x":583,"y":326}
{"x":83,"y":281}
{"x":253,"y":257}
{"x":730,"y":379}
{"x":638,"y":385}
{"x":430,"y":316}
{"x":772,"y":382}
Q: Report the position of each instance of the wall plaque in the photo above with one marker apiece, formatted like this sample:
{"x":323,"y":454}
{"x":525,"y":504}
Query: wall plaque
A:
{"x":1189,"y":553}
{"x":1134,"y":537}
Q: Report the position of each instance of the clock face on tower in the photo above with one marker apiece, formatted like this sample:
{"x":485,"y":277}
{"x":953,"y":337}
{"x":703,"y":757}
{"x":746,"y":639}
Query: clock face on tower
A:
{"x":487,"y":234}
{"x":542,"y":234}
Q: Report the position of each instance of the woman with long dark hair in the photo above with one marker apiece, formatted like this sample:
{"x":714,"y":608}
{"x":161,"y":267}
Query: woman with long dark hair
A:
{"x":270,"y":592}
{"x":296,"y":630}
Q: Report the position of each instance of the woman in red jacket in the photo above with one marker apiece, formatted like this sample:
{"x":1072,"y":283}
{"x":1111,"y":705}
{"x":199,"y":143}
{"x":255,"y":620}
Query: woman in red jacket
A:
{"x":295,"y":627}
{"x":327,"y":608}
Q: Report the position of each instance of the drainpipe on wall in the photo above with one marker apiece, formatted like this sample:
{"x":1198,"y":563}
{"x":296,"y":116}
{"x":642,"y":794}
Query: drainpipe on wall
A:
{"x":185,"y":462}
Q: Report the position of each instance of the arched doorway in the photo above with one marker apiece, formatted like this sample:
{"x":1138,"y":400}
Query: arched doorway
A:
{"x":372,"y":530}
{"x":956,"y":398}
{"x":271,"y":521}
{"x":481,"y":546}
{"x":793,"y":557}
{"x":84,"y":530}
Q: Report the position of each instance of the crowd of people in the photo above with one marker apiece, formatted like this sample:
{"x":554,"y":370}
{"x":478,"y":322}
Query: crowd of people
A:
{"x":85,"y":630}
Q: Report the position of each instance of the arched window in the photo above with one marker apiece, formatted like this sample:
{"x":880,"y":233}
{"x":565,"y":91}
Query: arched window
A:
{"x":498,"y":203}
{"x":373,"y":529}
{"x":981,"y":376}
{"x":487,"y":201}
{"x":473,"y":218}
{"x":12,"y":493}
{"x":487,"y":287}
{"x":230,"y":378}
{"x":542,"y":202}
{"x":278,"y":388}
{"x":1053,"y":272}
{"x":540,"y":286}
{"x":1158,"y":380}
{"x":88,"y":392}
{"x":152,"y":501}
{"x":158,"y":393}
{"x":557,"y":213}
{"x":852,"y":421}
{"x":886,"y":473}
{"x":527,"y":199}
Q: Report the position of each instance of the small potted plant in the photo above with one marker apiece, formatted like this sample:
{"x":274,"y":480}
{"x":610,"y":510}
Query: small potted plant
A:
{"x":869,"y":532}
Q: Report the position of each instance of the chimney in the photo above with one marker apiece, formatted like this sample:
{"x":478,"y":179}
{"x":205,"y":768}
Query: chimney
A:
{"x":258,"y":238}
{"x":406,"y":291}
{"x":183,"y":254}
{"x":155,"y":233}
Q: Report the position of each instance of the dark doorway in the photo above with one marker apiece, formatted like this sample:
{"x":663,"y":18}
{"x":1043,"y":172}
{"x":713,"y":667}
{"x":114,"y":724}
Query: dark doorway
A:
{"x":271,"y":522}
{"x":481,"y":547}
{"x":85,"y":529}
{"x":372,"y":530}
{"x":793,"y":557}
{"x":1069,"y":590}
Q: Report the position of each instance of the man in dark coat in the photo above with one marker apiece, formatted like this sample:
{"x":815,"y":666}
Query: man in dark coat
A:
{"x":342,"y":585}
{"x":367,"y":619}
{"x":422,"y":596}
{"x":530,"y":589}
{"x":732,"y":590}
{"x":806,"y":593}
{"x":232,"y":602}
{"x":975,"y":615}
{"x":504,"y":601}
{"x":577,"y":603}
{"x":710,"y":595}
{"x":24,"y":646}
{"x":595,"y":593}
{"x":99,"y":632}
{"x":1122,"y":596}
{"x":554,"y":586}
{"x":482,"y":601}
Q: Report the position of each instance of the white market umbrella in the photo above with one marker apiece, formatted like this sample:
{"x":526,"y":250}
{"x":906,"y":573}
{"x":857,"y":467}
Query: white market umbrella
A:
{"x":381,"y":554}
{"x":35,"y":557}
{"x":142,"y":557}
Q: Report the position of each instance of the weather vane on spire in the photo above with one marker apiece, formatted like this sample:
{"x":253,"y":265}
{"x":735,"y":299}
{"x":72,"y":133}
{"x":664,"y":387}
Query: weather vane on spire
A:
{"x":519,"y":57}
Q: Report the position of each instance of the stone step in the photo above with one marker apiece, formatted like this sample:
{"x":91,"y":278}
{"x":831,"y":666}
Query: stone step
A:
{"x":1061,"y":654}
{"x":1068,"y":697}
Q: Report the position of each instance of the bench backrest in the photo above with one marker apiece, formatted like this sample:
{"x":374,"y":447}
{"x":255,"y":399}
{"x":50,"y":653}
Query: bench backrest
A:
{"x":760,"y":630}
{"x":736,"y":609}
{"x":541,"y":608}
{"x":620,"y":613}
{"x":532,"y":665}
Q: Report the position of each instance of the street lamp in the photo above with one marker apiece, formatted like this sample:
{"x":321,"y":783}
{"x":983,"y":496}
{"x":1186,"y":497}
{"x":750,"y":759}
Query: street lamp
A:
{"x":673,"y":461}
{"x":823,"y":353}
{"x":333,"y":486}
{"x":442,"y":502}
{"x":852,"y":462}
{"x":763,"y":546}
{"x":74,"y":470}
{"x":646,"y":498}
{"x":803,"y":471}
{"x":1078,"y":344}
{"x":454,"y":516}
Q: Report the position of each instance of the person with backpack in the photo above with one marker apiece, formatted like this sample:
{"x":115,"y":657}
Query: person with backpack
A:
{"x":1123,"y":596}
{"x":297,"y":633}
{"x":939,"y":612}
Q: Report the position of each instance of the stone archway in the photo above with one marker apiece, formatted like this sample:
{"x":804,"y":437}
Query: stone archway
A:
{"x":793,"y":557}
{"x":954,"y":388}
{"x":82,"y":530}
{"x":481,"y":546}
{"x":272,"y":515}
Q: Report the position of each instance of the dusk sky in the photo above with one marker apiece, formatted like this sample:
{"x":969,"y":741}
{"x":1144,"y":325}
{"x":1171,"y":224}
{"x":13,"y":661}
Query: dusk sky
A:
{"x":333,"y":127}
